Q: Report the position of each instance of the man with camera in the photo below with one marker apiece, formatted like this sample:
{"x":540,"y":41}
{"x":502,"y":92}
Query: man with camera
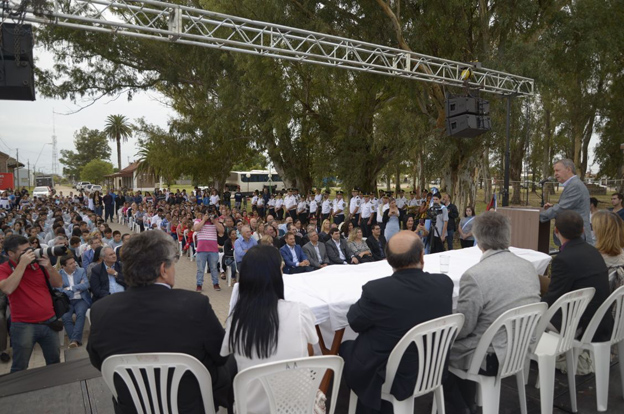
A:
{"x":207,"y":247}
{"x":23,"y":280}
{"x":438,"y":214}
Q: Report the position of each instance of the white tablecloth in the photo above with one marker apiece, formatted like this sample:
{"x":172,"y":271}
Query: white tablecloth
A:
{"x":330,"y":291}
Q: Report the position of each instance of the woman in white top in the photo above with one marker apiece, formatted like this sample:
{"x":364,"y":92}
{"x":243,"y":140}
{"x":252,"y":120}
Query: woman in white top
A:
{"x":263,"y":327}
{"x":214,"y":198}
{"x":608,"y":228}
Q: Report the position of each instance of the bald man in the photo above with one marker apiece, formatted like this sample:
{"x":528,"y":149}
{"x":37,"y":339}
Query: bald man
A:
{"x":388,"y":308}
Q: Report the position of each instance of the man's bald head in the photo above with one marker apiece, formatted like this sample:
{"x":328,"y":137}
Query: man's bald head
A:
{"x":404,"y":250}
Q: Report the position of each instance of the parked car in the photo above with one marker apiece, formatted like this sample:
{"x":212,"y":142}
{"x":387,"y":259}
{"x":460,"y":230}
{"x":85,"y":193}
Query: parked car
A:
{"x":80,"y":185}
{"x":42,"y":192}
{"x":90,"y":188}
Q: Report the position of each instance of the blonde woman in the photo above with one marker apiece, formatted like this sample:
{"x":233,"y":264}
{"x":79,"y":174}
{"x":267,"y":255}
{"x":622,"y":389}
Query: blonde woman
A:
{"x":358,"y":246}
{"x":324,"y":233}
{"x":609,"y":232}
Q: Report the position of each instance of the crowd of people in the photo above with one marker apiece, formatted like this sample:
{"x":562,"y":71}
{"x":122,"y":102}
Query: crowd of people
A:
{"x":117,"y":275}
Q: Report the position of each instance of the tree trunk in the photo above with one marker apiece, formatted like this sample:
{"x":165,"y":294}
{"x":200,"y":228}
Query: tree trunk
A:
{"x":119,"y":152}
{"x":487,"y":177}
{"x":398,"y":178}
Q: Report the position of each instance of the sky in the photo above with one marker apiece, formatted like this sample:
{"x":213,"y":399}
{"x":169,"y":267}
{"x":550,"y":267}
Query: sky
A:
{"x":29,"y":126}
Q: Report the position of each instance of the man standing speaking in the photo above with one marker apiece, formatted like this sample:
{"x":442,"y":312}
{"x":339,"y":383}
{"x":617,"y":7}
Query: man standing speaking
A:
{"x":575,"y":197}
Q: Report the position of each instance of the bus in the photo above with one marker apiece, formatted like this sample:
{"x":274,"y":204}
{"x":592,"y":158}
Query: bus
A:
{"x":250,"y":181}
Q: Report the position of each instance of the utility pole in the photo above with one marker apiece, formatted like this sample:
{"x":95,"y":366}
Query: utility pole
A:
{"x":17,"y":159}
{"x":28,"y":172}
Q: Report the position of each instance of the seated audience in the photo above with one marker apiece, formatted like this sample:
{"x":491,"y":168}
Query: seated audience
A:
{"x":315,"y":251}
{"x":359,"y":247}
{"x":499,"y":282}
{"x":295,"y":261}
{"x":388,"y":308}
{"x":609,"y":236}
{"x":152,"y":317}
{"x":263,"y":327}
{"x":228,"y":253}
{"x":76,"y":287}
{"x":376,"y":243}
{"x":578,"y":265}
{"x":107,"y":278}
{"x":338,"y":251}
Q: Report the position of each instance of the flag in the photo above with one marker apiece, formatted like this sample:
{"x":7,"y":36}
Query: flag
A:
{"x":492,"y":204}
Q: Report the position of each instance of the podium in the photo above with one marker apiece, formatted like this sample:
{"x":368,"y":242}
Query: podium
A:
{"x":527,"y":231}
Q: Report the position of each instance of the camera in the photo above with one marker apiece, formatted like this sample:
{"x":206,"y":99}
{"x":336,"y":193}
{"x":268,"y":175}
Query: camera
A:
{"x":55,"y":251}
{"x":434,"y":211}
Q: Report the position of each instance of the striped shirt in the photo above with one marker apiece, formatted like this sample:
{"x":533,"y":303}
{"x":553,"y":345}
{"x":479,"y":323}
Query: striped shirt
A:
{"x":207,"y":238}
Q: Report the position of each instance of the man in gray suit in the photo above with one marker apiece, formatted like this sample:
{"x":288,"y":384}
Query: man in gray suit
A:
{"x":337,"y":250}
{"x":315,"y":251}
{"x":575,"y":197}
{"x":499,"y":282}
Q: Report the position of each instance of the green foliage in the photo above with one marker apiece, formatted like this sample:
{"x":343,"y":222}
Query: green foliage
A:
{"x":95,"y":171}
{"x":118,"y":129}
{"x":89,"y":144}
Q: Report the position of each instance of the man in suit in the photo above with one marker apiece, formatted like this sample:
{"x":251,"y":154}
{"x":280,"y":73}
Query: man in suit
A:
{"x":152,"y":317}
{"x":295,"y":261}
{"x":577,"y":266}
{"x":315,"y":251}
{"x":575,"y":197}
{"x":499,"y":282}
{"x":107,"y":278}
{"x":337,"y":250}
{"x":377,"y":243}
{"x":76,"y":287}
{"x":388,"y":308}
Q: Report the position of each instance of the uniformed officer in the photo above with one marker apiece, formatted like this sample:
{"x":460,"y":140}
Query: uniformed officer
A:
{"x":339,"y":208}
{"x":383,"y":206}
{"x":401,"y":201}
{"x":326,"y":206}
{"x":354,"y":207}
{"x":413,"y":204}
{"x":290,"y":204}
{"x":260,"y":206}
{"x":302,"y":211}
{"x":366,"y":215}
{"x":312,"y":204}
{"x":279,"y":206}
{"x":271,"y":205}
{"x":318,"y":197}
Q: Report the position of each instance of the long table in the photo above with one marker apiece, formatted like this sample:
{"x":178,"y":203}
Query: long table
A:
{"x":330,"y":292}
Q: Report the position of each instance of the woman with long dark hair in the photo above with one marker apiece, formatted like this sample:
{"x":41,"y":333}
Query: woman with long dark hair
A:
{"x":263,"y":327}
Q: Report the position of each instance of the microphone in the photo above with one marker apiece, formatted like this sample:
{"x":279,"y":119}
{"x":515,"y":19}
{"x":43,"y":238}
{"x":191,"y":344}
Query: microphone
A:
{"x":545,"y":180}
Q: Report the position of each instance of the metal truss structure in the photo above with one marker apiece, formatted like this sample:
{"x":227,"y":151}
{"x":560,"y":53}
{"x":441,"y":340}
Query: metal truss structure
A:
{"x":149,"y":19}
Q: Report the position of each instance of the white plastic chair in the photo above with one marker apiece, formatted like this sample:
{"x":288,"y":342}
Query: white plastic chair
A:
{"x":290,"y":385}
{"x":519,"y":325}
{"x":433,"y":339}
{"x":123,"y":365}
{"x":601,"y":351}
{"x":550,"y":345}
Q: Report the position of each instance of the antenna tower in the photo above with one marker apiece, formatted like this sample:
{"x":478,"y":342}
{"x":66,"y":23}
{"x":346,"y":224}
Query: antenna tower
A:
{"x":54,"y":152}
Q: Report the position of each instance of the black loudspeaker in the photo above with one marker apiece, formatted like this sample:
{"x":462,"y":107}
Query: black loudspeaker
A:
{"x":468,"y":125}
{"x":17,"y":80}
{"x":466,"y":116}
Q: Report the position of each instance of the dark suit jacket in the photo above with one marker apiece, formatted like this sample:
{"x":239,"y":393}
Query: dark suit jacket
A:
{"x":289,"y":264}
{"x":334,"y":255}
{"x":388,"y":308}
{"x":100,"y":286}
{"x":157,"y":319}
{"x":373,"y":245}
{"x":580,"y":266}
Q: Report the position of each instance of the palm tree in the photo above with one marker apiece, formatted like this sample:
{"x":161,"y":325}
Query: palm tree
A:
{"x":118,"y":128}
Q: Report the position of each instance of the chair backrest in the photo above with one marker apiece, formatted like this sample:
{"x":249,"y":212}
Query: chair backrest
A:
{"x":519,"y":325}
{"x":615,"y":300}
{"x":572,"y":305}
{"x":291,"y":385}
{"x":433,"y":339}
{"x":145,"y":395}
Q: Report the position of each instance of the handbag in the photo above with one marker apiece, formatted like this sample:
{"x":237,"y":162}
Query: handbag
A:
{"x":60,"y":301}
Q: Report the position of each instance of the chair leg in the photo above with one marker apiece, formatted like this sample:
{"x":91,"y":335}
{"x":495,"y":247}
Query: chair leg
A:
{"x":601,"y":355}
{"x":571,"y":363}
{"x":521,"y":391}
{"x":621,"y":363}
{"x":490,"y":394}
{"x":438,"y":401}
{"x":546,"y":366}
{"x":527,"y":370}
{"x":405,"y":406}
{"x":352,"y":403}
